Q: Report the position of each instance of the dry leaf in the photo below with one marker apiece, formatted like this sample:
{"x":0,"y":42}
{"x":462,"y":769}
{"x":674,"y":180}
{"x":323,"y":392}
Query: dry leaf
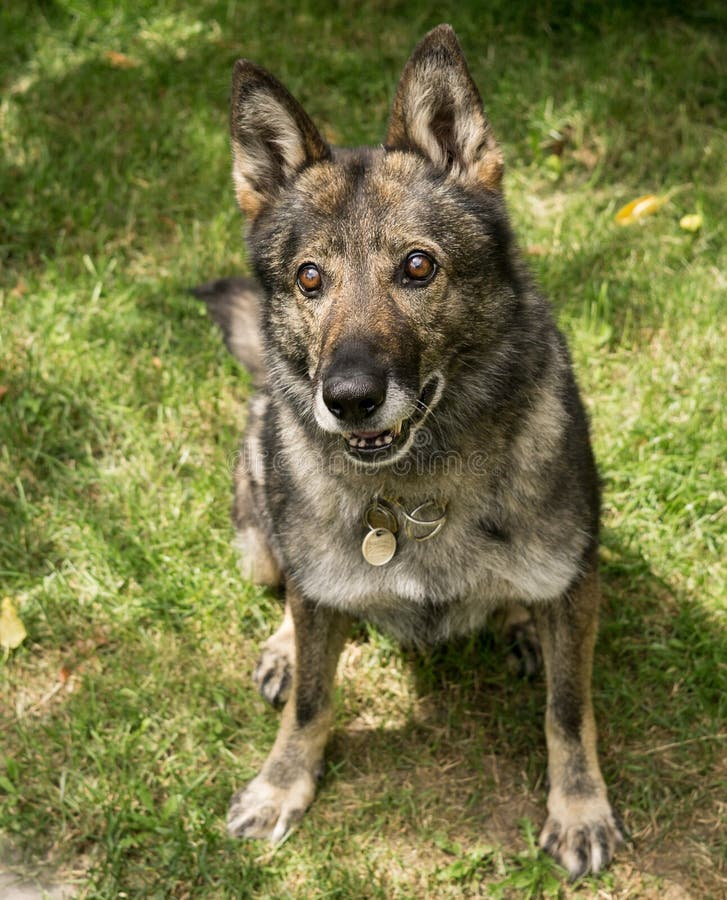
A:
{"x":12,"y":630}
{"x":65,"y":674}
{"x":120,"y":60}
{"x":3,"y":390}
{"x":586,"y":157}
{"x":639,"y":208}
{"x":691,"y":222}
{"x":156,"y":362}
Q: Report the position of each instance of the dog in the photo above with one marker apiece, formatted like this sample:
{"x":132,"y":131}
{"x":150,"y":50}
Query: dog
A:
{"x":417,"y":454}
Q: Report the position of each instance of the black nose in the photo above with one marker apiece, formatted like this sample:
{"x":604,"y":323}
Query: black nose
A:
{"x":354,"y":396}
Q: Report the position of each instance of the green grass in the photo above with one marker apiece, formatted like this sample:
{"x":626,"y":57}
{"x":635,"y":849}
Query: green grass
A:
{"x":127,"y":717}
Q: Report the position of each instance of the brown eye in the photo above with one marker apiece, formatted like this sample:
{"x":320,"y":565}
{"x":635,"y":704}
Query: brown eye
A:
{"x":419,"y":266}
{"x":309,"y":278}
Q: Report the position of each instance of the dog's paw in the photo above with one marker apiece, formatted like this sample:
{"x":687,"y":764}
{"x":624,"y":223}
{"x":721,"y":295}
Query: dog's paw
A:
{"x":525,"y":656}
{"x":273,"y":675}
{"x":583,"y":844}
{"x":264,"y":810}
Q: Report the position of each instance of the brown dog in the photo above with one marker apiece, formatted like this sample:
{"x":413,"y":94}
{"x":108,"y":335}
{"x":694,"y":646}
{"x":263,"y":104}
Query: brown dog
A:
{"x":417,"y":455}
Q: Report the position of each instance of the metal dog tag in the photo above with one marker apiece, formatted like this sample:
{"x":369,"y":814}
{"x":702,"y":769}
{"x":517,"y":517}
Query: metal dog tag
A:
{"x":380,"y":515}
{"x":425,"y":522}
{"x":379,"y":546}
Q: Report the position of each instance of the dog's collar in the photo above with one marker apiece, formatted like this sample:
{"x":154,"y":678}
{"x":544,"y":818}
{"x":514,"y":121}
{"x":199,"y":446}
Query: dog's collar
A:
{"x":381,"y":519}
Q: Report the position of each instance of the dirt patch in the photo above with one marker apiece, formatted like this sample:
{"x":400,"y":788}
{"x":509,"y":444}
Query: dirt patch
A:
{"x":19,"y":881}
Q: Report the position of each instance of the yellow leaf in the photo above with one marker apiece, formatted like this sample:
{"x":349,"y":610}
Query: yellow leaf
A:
{"x":120,"y":60}
{"x":638,"y":208}
{"x":12,"y":630}
{"x":691,"y":222}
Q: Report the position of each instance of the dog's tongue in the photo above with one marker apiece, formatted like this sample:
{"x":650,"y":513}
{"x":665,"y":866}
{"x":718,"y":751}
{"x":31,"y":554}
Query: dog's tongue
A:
{"x":368,"y":435}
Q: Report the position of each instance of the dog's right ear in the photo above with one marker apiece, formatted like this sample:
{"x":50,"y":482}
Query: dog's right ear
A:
{"x":272,"y":137}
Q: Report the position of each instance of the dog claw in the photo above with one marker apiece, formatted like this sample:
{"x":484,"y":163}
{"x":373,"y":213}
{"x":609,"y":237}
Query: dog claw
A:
{"x":582,"y":847}
{"x":264,"y":810}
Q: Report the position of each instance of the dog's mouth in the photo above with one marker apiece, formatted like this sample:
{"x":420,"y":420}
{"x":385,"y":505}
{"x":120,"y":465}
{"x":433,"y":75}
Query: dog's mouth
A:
{"x":373,"y":441}
{"x":378,"y":446}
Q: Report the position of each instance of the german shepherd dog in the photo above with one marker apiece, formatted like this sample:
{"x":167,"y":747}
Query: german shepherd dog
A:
{"x":417,"y":454}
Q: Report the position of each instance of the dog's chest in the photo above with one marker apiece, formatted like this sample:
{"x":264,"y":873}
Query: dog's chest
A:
{"x":414,"y":594}
{"x":428,"y":590}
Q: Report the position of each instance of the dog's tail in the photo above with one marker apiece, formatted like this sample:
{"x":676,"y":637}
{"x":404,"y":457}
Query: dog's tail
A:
{"x":234,"y":304}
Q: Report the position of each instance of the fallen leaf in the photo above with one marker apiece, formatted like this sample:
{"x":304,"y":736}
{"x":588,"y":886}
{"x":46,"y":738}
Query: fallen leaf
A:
{"x":3,"y":390}
{"x":120,"y":60}
{"x":639,"y":208}
{"x":156,"y":362}
{"x":691,"y":222}
{"x":12,"y":630}
{"x":586,"y":157}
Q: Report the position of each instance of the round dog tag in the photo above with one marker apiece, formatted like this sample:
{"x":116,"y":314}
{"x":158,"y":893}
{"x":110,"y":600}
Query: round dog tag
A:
{"x":378,"y":547}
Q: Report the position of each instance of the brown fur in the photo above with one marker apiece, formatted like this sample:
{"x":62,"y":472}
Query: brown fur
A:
{"x":453,"y":388}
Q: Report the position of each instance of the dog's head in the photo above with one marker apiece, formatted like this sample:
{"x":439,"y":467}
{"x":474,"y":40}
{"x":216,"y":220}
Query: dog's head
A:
{"x":382,"y":267}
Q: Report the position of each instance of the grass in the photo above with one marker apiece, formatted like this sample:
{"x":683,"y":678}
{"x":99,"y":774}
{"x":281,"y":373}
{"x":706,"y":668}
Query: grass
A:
{"x":127,"y":716}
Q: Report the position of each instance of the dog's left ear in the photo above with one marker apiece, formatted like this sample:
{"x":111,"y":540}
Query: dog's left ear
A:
{"x":438,"y":112}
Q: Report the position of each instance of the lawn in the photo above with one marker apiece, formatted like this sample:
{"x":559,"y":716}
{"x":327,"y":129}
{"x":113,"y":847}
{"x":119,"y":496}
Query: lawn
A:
{"x":127,"y":715}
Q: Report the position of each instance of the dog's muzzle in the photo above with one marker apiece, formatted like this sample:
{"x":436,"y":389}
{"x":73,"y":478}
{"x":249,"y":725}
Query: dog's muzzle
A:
{"x":374,"y":410}
{"x":381,"y":445}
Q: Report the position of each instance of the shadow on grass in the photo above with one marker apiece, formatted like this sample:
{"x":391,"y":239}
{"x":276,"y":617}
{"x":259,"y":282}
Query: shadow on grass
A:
{"x":471,"y":762}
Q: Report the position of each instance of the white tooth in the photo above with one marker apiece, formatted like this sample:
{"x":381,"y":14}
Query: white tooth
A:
{"x":379,"y":442}
{"x":388,"y":438}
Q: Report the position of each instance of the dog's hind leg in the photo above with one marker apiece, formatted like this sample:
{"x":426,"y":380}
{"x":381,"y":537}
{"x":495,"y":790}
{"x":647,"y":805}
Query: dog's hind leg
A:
{"x":277,"y":798}
{"x":273,"y":673}
{"x":516,"y":627}
{"x":582,"y":831}
{"x":258,"y":562}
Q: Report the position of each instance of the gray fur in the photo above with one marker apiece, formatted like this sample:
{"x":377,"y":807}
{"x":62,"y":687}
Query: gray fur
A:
{"x":478,"y":373}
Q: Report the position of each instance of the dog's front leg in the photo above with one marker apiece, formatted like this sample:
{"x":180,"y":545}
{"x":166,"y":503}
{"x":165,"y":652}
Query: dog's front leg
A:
{"x":581,"y":831}
{"x":277,"y":798}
